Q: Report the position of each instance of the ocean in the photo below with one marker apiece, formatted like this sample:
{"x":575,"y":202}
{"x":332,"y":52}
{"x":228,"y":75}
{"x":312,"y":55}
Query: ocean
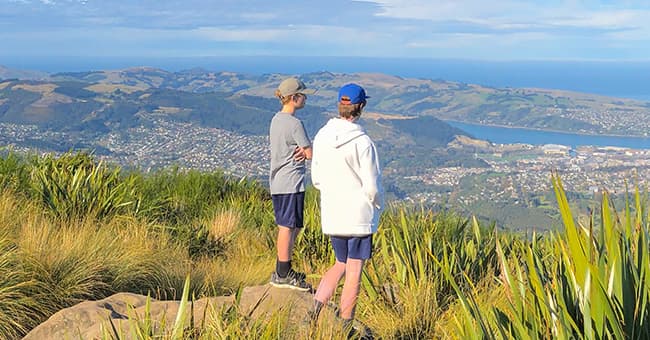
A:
{"x":617,"y":79}
{"x":506,"y":135}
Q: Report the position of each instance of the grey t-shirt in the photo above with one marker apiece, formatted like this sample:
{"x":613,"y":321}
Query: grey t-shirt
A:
{"x":286,"y":133}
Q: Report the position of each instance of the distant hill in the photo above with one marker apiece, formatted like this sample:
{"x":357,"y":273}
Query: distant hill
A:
{"x":74,"y":106}
{"x":8,"y":73}
{"x":98,"y":108}
{"x":528,"y":108}
{"x":426,"y":131}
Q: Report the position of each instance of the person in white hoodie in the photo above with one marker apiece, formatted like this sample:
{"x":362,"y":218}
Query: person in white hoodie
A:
{"x":345,"y":168}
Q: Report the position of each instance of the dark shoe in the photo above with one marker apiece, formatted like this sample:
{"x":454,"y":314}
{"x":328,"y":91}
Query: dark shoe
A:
{"x":315,"y":312}
{"x":292,"y":281}
{"x":299,"y":275}
{"x":356,"y":330}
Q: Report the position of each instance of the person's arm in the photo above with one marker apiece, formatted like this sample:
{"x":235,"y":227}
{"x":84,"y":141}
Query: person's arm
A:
{"x":370,"y":174}
{"x":300,"y":154}
{"x":303,"y":151}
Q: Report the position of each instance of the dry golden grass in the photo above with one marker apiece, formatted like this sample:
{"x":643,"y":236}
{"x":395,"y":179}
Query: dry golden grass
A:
{"x":109,"y":88}
{"x":4,"y":84}
{"x":77,"y":257}
{"x":170,"y":110}
{"x":50,"y":98}
{"x":376,"y":115}
{"x":14,"y":211}
{"x":414,"y":317}
{"x":488,"y":295}
{"x":42,"y":88}
{"x":224,"y":223}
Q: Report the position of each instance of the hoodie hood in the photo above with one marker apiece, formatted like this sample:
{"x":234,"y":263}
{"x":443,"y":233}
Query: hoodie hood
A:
{"x":338,"y":132}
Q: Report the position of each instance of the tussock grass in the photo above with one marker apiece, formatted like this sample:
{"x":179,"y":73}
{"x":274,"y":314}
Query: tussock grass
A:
{"x":19,"y":310}
{"x":82,"y":230}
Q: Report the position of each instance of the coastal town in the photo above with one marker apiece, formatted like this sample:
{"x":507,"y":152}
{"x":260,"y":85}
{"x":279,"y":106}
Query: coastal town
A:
{"x":512,"y":172}
{"x":516,"y":172}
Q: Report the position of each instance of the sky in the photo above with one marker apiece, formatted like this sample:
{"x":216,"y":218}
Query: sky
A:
{"x":471,"y":29}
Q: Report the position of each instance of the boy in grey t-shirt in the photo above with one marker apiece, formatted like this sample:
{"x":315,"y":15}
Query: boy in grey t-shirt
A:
{"x":290,"y":146}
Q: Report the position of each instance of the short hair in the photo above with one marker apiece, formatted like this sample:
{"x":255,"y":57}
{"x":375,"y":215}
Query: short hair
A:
{"x":350,"y":110}
{"x":284,"y":100}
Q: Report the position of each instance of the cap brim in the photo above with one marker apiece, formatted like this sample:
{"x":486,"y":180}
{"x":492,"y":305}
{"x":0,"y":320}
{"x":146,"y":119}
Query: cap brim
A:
{"x":308,"y":91}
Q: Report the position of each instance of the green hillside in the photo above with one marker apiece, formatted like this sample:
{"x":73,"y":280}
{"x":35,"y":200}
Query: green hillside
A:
{"x":93,"y":108}
{"x":527,"y":107}
{"x":99,"y":108}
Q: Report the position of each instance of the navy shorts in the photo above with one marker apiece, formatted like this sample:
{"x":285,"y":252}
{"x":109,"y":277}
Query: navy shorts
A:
{"x":288,"y":209}
{"x":351,"y":247}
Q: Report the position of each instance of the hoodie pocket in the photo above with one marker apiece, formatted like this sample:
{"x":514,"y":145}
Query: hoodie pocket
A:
{"x":367,"y":210}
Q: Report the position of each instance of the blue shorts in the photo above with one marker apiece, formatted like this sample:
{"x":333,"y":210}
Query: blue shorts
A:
{"x":288,"y":209}
{"x":351,"y":247}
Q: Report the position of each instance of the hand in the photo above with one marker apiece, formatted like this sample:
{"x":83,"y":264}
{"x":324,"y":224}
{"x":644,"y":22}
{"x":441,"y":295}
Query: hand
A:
{"x":299,"y":154}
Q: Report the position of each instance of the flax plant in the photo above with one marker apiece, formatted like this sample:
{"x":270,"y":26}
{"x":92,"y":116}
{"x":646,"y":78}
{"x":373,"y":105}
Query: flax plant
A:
{"x":74,"y":186}
{"x":313,"y":248}
{"x":586,"y":281}
{"x":405,"y":280}
{"x":14,"y":174}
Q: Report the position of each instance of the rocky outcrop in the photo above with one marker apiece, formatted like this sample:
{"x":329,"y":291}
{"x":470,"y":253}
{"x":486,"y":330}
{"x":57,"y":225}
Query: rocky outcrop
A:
{"x":92,"y":319}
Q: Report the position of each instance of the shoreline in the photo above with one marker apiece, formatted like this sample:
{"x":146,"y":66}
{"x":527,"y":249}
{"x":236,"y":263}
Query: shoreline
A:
{"x":546,"y":130}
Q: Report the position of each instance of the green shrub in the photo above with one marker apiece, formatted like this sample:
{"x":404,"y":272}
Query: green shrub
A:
{"x":14,"y":174}
{"x":585,"y":282}
{"x":74,"y":186}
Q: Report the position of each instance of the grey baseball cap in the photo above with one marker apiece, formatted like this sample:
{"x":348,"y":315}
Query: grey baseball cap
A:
{"x":292,"y":86}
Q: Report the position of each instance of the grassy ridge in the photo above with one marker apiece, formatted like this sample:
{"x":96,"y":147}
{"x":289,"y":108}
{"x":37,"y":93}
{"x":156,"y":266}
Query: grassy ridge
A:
{"x":73,"y":229}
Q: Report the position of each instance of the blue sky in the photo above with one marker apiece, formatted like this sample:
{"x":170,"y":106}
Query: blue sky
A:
{"x":474,"y":29}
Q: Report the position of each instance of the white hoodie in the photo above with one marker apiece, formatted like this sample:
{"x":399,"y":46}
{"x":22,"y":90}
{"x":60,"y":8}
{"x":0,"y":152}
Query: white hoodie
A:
{"x":345,"y":169}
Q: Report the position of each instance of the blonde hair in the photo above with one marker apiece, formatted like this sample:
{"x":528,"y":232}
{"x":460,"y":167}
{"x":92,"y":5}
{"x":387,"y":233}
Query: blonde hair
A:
{"x":284,"y":100}
{"x":350,"y":110}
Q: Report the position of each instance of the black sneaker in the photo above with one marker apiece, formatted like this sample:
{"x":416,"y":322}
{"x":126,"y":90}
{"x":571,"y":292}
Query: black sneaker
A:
{"x":298,"y":275}
{"x":315,"y":311}
{"x":356,"y":330}
{"x":292,"y":281}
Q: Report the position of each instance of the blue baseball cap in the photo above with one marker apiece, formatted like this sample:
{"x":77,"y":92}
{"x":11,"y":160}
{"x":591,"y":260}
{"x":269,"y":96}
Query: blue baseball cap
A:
{"x":352,"y":94}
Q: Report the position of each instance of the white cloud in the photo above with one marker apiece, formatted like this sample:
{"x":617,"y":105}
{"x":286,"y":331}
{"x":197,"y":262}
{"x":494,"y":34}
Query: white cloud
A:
{"x":382,"y":28}
{"x":259,"y":16}
{"x":438,"y":10}
{"x":290,"y":33}
{"x":513,"y":15}
{"x":238,"y":34}
{"x":605,"y":19}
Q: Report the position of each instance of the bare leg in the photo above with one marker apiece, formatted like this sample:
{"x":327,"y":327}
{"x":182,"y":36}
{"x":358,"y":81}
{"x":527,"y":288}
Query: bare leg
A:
{"x":329,"y":282}
{"x":351,"y":287}
{"x":284,"y":243}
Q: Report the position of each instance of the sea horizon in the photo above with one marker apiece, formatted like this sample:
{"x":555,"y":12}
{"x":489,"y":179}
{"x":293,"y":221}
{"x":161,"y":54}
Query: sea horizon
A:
{"x":622,"y":79}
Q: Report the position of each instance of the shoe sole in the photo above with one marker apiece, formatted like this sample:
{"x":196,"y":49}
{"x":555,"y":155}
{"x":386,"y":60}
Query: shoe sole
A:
{"x":285,"y":285}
